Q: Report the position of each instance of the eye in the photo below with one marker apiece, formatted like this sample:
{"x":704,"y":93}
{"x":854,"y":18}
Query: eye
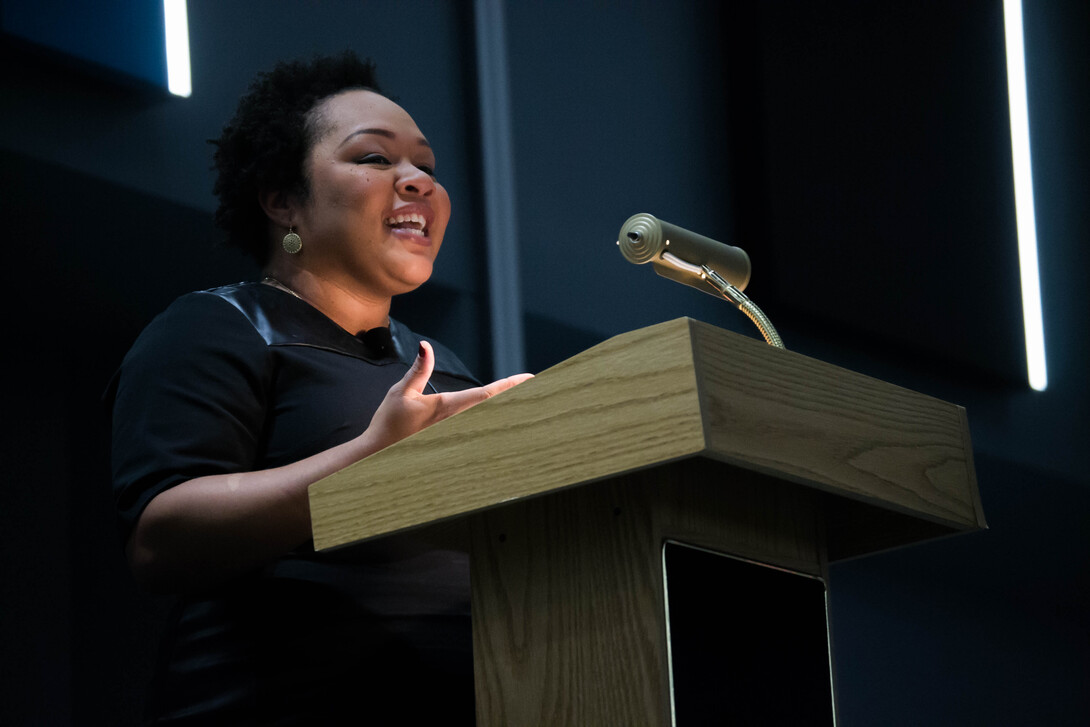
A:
{"x":373,"y":159}
{"x":427,"y":169}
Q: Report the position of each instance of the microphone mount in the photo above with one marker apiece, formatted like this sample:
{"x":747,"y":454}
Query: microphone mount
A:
{"x":747,"y":306}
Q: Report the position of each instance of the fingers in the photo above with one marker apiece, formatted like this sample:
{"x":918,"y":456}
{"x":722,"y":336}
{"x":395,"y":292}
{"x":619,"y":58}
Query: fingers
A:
{"x":407,"y":409}
{"x":416,"y":378}
{"x":457,"y":401}
{"x":504,"y":384}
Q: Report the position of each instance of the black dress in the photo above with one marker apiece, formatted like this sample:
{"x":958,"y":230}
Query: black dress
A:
{"x":248,"y":377}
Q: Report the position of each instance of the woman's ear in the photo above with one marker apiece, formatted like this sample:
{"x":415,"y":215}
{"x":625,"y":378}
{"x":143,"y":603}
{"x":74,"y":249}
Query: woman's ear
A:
{"x":279,"y":207}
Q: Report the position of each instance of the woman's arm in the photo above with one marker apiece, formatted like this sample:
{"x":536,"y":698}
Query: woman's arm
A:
{"x":208,"y":529}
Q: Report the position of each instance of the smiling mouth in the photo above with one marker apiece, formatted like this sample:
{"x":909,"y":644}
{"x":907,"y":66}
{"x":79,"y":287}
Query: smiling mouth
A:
{"x":413,"y":223}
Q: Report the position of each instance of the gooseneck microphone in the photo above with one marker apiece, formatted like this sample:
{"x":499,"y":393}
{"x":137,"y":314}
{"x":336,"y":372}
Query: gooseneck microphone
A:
{"x":678,"y":254}
{"x":705,"y":264}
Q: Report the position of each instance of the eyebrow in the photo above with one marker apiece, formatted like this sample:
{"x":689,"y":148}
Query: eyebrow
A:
{"x":380,"y":132}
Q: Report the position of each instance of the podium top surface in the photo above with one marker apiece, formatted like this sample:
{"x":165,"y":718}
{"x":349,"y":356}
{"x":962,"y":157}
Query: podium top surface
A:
{"x":881,"y":455}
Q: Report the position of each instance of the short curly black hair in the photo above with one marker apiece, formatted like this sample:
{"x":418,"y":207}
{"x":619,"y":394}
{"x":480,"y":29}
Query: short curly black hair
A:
{"x":264,"y":145}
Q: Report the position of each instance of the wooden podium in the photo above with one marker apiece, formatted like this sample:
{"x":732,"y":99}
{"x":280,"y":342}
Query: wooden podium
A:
{"x":568,"y":485}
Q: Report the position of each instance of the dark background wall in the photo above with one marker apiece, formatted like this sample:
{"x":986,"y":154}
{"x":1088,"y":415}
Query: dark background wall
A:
{"x":859,"y":151}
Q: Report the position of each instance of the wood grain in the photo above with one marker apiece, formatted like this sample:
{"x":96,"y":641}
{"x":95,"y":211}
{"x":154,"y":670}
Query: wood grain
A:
{"x":568,"y":620}
{"x":784,"y":414}
{"x":634,"y":401}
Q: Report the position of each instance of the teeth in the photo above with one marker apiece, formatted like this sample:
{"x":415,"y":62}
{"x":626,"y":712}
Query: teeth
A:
{"x":414,"y":219}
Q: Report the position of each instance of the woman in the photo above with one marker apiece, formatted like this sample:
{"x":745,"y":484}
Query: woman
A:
{"x":235,"y":400}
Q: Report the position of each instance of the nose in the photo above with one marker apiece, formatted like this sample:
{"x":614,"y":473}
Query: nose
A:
{"x":412,"y":180}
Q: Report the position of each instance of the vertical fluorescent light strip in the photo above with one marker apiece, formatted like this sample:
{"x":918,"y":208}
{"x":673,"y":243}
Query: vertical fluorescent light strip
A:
{"x":1032,"y":316}
{"x":177,"y":40}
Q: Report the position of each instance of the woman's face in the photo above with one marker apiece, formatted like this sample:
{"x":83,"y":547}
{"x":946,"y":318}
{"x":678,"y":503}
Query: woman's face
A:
{"x":375,"y":216}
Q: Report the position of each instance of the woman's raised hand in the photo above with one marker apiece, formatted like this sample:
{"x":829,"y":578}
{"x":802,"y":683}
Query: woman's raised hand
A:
{"x":406,"y":409}
{"x":207,"y":529}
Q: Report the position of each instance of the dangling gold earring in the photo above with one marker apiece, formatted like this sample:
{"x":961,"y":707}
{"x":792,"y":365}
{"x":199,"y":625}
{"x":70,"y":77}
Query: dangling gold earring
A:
{"x":292,"y":243}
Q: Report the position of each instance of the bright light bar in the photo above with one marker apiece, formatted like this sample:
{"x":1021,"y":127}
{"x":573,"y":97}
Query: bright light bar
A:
{"x":177,"y":40}
{"x":1023,"y":196}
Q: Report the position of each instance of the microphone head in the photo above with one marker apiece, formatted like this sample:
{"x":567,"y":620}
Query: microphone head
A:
{"x":678,"y":254}
{"x":641,"y":239}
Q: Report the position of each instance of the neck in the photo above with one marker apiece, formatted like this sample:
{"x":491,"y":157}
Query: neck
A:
{"x":351,"y":309}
